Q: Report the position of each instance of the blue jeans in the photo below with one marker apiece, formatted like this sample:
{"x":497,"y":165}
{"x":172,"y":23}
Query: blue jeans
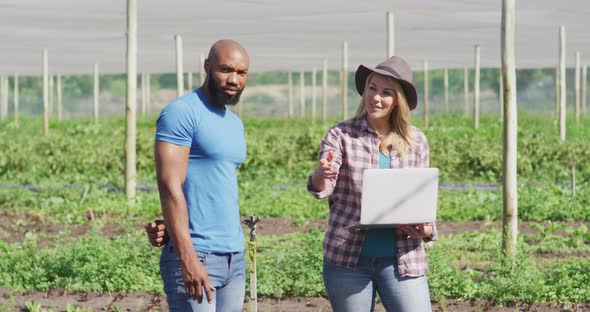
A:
{"x":227,"y":273}
{"x":354,"y":289}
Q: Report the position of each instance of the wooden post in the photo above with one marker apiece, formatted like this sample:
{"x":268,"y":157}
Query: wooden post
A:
{"x":501,"y":95}
{"x":466,"y":91}
{"x":51,"y":96}
{"x":96,"y":94}
{"x":446,"y":86}
{"x":344,"y":82}
{"x":562,"y":83}
{"x":390,"y":34}
{"x":302,"y":92}
{"x":59,"y":90}
{"x":476,"y":90}
{"x":577,"y":88}
{"x":240,"y":108}
{"x":16,"y":99}
{"x":130,"y":126}
{"x":148,"y":94}
{"x":45,"y":94}
{"x":2,"y":109}
{"x":189,"y":82}
{"x":143,"y":95}
{"x":557,"y":97}
{"x":510,"y":217}
{"x":425,"y":94}
{"x":179,"y":72}
{"x":290,"y":93}
{"x":573,"y":185}
{"x":251,"y":223}
{"x":584,"y":90}
{"x":3,"y":97}
{"x":202,"y":70}
{"x":325,"y":90}
{"x":314,"y":93}
{"x":3,"y":93}
{"x":5,"y":87}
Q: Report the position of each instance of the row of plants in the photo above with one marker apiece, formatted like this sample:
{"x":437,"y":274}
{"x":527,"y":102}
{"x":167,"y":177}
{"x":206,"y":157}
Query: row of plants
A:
{"x":466,"y":266}
{"x":74,"y":205}
{"x":286,"y":150}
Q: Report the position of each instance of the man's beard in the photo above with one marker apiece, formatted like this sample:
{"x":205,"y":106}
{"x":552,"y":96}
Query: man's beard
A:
{"x":218,"y":94}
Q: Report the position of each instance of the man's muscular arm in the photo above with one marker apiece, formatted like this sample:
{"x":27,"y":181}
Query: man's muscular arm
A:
{"x":171,"y":168}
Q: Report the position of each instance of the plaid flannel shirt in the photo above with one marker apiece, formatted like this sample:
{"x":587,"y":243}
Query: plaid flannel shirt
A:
{"x":356,"y":147}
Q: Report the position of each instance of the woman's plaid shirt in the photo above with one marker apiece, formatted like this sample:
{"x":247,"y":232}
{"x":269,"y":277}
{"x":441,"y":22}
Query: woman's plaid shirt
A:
{"x":356,"y":147}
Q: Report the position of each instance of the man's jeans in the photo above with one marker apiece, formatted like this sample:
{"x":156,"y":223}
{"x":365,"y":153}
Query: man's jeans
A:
{"x":227,"y":273}
{"x":354,"y":289}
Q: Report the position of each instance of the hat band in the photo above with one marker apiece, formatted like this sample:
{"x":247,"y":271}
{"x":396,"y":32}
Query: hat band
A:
{"x":389,"y":70}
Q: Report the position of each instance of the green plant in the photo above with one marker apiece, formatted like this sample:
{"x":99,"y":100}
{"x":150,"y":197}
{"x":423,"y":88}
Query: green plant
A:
{"x":33,"y":306}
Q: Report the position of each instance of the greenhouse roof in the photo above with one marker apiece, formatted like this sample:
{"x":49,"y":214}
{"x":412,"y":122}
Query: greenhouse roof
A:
{"x":283,"y":35}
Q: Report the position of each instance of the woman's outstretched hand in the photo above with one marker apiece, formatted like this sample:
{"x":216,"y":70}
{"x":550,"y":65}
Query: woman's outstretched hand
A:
{"x":325,"y":169}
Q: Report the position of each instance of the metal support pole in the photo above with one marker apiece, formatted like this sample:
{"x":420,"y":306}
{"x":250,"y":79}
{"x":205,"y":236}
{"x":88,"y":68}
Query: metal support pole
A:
{"x":251,"y":223}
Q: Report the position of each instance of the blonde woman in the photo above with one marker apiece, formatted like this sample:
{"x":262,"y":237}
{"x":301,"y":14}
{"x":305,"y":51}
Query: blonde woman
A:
{"x":360,"y":263}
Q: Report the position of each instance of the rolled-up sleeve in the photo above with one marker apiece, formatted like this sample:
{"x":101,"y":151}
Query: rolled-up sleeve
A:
{"x":433,"y":237}
{"x":424,"y":152}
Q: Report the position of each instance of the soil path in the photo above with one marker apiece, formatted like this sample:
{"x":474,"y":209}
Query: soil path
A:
{"x":14,"y":228}
{"x":58,"y":300}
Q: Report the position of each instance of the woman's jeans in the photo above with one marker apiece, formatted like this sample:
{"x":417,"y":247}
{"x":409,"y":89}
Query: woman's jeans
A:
{"x":227,"y":273}
{"x":354,"y":289}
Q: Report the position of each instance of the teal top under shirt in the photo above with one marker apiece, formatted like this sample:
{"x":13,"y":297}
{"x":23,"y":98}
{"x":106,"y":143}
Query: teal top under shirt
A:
{"x":380,"y":242}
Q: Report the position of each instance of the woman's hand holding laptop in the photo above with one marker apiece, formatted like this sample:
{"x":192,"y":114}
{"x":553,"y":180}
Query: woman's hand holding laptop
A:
{"x":414,"y":231}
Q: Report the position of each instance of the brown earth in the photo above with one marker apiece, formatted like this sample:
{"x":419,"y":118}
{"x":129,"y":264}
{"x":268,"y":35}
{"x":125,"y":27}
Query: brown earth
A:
{"x":14,"y":228}
{"x":58,"y":300}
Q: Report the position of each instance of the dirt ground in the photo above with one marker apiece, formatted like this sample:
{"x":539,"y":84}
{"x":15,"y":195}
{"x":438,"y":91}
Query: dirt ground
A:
{"x":58,"y":300}
{"x":12,"y":231}
{"x":14,"y":228}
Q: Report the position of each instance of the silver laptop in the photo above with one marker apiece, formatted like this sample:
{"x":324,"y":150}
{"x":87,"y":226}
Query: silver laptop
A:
{"x":391,"y":197}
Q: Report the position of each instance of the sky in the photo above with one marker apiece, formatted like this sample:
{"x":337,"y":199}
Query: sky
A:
{"x":284,"y":35}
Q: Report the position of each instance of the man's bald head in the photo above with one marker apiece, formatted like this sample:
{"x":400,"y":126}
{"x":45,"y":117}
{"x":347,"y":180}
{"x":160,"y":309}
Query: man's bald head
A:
{"x":226,"y":46}
{"x":227,"y":71}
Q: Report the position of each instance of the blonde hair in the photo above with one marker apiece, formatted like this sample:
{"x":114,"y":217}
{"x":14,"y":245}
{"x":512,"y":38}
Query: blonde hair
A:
{"x":400,"y":138}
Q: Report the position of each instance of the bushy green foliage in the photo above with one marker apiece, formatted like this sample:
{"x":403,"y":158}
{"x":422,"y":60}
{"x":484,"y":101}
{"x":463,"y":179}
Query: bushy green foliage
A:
{"x":290,"y":265}
{"x":290,"y":201}
{"x":90,"y":263}
{"x":285,"y":150}
{"x":470,"y":266}
{"x":466,"y":266}
{"x":80,"y":168}
{"x":536,"y":202}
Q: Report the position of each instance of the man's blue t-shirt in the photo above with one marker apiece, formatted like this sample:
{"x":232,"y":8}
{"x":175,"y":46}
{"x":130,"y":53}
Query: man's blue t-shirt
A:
{"x":217,"y":147}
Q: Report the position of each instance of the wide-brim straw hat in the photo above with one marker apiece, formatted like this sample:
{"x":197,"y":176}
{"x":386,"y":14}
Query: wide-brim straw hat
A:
{"x":394,"y":67}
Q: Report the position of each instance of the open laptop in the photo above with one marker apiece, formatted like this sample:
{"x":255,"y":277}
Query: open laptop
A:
{"x":391,"y":197}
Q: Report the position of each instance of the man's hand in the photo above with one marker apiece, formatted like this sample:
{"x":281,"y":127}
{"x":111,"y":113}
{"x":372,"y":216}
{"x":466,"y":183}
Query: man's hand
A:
{"x":195,"y":279}
{"x":415,"y":231}
{"x":156,"y":232}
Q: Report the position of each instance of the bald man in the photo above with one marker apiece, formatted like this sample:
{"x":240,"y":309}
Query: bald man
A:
{"x":199,"y":145}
